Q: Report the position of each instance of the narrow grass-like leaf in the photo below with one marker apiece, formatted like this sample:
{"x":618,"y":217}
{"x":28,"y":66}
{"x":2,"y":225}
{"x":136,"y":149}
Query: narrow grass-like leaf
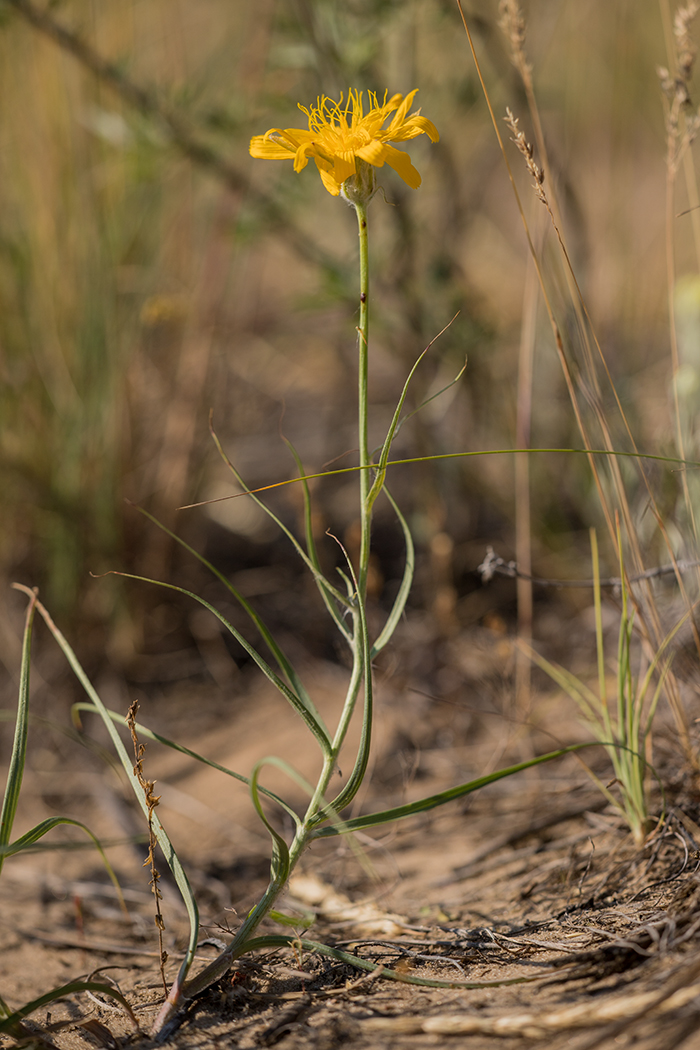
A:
{"x":73,"y":846}
{"x":171,"y":857}
{"x":286,"y":941}
{"x":289,"y":771}
{"x":72,"y":734}
{"x":435,"y":396}
{"x":363,"y":666}
{"x":399,"y":605}
{"x":397,"y":422}
{"x":283,"y":662}
{"x":41,"y":829}
{"x":570,"y":684}
{"x":319,"y":579}
{"x":657,"y":692}
{"x":378,"y":482}
{"x":597,"y":605}
{"x":149,"y":734}
{"x":671,"y":460}
{"x":9,"y":1024}
{"x":411,"y":809}
{"x":279,"y":864}
{"x":296,"y":702}
{"x":280,"y":524}
{"x":18,"y":757}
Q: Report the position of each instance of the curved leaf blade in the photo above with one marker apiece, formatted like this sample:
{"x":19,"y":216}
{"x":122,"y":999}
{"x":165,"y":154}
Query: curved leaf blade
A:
{"x":399,"y":605}
{"x":411,"y":809}
{"x":10,"y":1023}
{"x":18,"y":757}
{"x":295,"y":701}
{"x":281,"y":659}
{"x":171,"y":857}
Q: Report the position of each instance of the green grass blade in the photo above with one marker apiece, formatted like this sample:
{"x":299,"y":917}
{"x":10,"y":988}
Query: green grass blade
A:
{"x":296,"y":702}
{"x":674,"y":461}
{"x":283,"y":662}
{"x":293,"y":774}
{"x":411,"y":809}
{"x":171,"y":857}
{"x":72,"y":734}
{"x":10,"y":1023}
{"x":666,"y":667}
{"x":397,"y":422}
{"x":378,"y":482}
{"x":363,"y":663}
{"x":280,"y":524}
{"x":287,"y":941}
{"x":19,"y":745}
{"x":149,"y":734}
{"x":319,"y":579}
{"x":570,"y":684}
{"x":597,"y":604}
{"x":439,"y":393}
{"x":41,"y":829}
{"x":279,"y":864}
{"x":406,"y":582}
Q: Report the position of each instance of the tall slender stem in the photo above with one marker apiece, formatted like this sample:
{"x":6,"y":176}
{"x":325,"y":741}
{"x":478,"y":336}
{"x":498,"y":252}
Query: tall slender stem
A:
{"x":362,"y":411}
{"x":359,"y":193}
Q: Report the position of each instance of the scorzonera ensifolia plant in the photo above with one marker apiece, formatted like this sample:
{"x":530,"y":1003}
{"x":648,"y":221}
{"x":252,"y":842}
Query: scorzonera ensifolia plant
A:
{"x":349,"y":146}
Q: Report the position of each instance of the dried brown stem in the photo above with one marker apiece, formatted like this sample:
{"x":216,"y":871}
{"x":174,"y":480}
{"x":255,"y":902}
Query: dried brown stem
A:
{"x":152,"y":801}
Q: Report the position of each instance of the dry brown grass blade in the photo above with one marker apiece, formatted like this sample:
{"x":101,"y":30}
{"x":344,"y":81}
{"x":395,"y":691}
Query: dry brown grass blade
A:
{"x":558,"y":341}
{"x":538,"y":1025}
{"x":648,"y":617}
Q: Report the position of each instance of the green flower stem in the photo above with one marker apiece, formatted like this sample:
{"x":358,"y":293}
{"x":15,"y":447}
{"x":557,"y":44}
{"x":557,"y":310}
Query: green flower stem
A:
{"x":362,"y":412}
{"x":240,"y":943}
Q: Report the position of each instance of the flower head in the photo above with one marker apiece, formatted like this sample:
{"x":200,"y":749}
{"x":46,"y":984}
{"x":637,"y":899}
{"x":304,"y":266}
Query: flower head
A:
{"x":340,"y":135}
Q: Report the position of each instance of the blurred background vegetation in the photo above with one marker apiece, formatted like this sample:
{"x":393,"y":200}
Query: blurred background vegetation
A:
{"x":150,"y":271}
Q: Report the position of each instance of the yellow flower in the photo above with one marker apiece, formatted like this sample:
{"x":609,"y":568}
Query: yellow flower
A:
{"x":340,"y":135}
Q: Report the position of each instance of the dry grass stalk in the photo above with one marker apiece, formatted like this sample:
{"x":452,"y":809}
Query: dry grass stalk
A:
{"x":538,"y":1025}
{"x":649,"y":621}
{"x":680,"y":133}
{"x":676,"y":88}
{"x":511,"y":22}
{"x":686,"y":48}
{"x":528,"y":153}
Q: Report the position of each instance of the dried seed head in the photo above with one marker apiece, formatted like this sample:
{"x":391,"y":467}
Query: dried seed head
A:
{"x":668,"y":83}
{"x":511,"y":22}
{"x":525,"y":147}
{"x":686,"y":48}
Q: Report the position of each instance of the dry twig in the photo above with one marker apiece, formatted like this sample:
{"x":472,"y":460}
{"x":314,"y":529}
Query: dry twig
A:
{"x":152,"y":801}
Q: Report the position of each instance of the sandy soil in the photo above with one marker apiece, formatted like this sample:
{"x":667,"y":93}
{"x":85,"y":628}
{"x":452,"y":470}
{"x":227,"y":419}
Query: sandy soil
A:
{"x":534,"y":880}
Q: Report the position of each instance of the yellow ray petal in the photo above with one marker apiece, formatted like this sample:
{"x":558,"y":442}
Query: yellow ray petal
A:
{"x":415,"y":125}
{"x":400,"y":115}
{"x":401,"y":163}
{"x":267,"y":149}
{"x":374,"y":153}
{"x":329,"y":182}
